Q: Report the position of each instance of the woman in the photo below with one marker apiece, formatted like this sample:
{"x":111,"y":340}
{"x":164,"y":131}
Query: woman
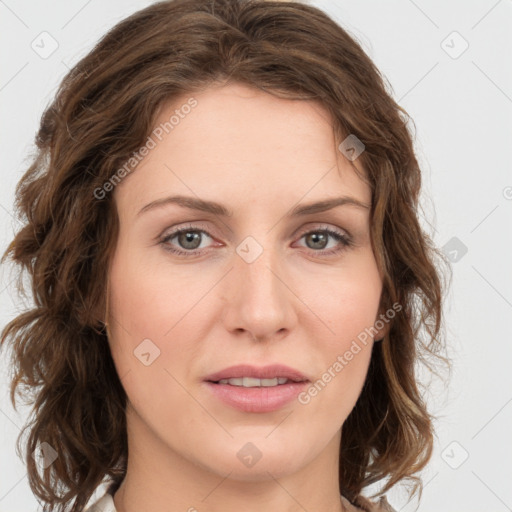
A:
{"x":231,"y":284}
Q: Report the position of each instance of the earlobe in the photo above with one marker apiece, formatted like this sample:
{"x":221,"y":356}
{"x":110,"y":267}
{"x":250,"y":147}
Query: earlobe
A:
{"x":382,"y":324}
{"x":99,"y":315}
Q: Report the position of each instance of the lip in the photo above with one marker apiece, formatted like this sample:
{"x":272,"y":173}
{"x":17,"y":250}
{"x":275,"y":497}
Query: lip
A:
{"x":263,"y":372}
{"x":257,"y":399}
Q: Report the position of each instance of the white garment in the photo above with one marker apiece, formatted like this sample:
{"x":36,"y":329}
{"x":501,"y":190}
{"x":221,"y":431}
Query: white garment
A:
{"x":103,"y":504}
{"x":106,"y":504}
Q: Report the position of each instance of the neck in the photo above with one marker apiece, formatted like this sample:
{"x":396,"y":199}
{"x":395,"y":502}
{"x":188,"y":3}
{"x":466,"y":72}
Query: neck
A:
{"x":159,"y":478}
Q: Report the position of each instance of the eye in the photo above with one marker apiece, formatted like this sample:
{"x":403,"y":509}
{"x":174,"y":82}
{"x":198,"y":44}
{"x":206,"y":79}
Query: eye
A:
{"x":188,"y":238}
{"x":189,"y":241}
{"x":319,"y":238}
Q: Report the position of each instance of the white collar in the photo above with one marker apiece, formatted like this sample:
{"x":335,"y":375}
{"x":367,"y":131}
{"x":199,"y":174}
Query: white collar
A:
{"x":103,"y":504}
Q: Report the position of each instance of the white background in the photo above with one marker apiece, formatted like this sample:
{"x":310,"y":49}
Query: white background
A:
{"x":462,"y":108}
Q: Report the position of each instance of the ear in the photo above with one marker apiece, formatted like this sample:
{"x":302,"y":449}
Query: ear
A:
{"x":382,"y":324}
{"x":98,"y":313}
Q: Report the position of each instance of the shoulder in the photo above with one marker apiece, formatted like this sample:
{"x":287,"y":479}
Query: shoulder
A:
{"x":362,"y":504}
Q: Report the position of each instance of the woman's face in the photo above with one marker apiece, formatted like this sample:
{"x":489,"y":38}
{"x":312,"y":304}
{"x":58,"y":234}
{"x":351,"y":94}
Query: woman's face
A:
{"x":262,"y":286}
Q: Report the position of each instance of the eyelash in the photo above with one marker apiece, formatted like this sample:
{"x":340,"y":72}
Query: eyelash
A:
{"x":345,"y":241}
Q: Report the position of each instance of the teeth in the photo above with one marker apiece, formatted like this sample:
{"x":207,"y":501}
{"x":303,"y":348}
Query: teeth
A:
{"x":251,"y":382}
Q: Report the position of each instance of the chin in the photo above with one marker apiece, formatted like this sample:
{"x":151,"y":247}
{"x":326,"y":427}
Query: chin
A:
{"x":260,"y":472}
{"x":254,"y":460}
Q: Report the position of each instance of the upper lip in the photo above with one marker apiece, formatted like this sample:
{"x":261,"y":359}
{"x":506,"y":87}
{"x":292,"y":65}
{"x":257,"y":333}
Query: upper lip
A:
{"x":263,"y":372}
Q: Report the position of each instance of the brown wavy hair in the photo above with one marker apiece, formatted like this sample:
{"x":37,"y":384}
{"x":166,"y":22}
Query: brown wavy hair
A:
{"x":102,"y":113}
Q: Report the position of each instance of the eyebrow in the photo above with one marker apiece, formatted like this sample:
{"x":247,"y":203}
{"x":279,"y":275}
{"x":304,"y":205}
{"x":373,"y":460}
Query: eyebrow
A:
{"x":194,"y":203}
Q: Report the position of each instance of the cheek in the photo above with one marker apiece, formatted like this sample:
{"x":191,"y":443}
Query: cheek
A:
{"x":348,"y":299}
{"x":349,"y":308}
{"x":345,"y":306}
{"x":146,"y":310}
{"x":148,"y":295}
{"x":153,"y":310}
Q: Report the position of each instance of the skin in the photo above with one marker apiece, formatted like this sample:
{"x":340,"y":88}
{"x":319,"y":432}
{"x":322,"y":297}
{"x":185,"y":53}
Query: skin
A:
{"x":260,"y":156}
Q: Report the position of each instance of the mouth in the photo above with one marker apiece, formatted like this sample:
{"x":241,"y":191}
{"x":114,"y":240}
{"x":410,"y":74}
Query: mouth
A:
{"x":252,"y":382}
{"x":256,"y":389}
{"x":252,"y":376}
{"x":256,"y":399}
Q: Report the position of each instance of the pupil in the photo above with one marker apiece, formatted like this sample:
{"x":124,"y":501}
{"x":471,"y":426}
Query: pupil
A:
{"x":189,"y":238}
{"x":322,"y":238}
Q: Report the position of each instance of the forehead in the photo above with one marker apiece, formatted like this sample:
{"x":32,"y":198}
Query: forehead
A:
{"x":243,"y":146}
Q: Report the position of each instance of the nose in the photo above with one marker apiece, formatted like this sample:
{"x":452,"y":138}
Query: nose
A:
{"x":260,"y":300}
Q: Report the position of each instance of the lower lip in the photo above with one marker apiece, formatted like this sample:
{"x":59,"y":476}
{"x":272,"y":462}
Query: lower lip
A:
{"x":258,"y":399}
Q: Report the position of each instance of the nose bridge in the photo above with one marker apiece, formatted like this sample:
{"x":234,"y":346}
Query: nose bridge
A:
{"x":260,"y":301}
{"x":257,"y":267}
